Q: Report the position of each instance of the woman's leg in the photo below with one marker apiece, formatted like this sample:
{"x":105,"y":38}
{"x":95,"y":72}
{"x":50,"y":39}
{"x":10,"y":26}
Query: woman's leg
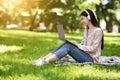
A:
{"x":58,"y":53}
{"x":51,"y":56}
{"x":67,"y":48}
{"x":63,"y":50}
{"x":78,"y":54}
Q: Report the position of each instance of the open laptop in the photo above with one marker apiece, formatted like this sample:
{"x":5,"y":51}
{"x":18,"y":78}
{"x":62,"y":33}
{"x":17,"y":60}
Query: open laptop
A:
{"x":61,"y":35}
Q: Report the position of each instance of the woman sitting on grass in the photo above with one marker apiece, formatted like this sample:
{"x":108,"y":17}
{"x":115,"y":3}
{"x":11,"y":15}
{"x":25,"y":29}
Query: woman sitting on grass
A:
{"x":88,"y":50}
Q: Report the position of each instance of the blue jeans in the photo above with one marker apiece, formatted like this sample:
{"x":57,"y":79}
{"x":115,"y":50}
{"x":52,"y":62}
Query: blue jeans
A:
{"x":76,"y":53}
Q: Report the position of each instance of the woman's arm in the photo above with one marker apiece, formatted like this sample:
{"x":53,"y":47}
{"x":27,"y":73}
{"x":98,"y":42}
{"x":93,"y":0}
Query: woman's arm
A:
{"x":96,"y":42}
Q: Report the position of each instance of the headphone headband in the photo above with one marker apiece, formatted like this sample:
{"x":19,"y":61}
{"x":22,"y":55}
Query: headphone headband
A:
{"x":88,"y":14}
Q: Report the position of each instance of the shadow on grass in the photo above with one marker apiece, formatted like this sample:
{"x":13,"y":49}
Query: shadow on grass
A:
{"x":50,"y":71}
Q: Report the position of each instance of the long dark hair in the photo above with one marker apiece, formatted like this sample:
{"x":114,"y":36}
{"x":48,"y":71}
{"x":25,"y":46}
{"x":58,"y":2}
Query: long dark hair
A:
{"x":88,"y":12}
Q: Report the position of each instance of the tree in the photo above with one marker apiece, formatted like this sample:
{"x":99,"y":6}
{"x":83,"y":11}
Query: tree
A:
{"x":108,"y":12}
{"x":66,"y":12}
{"x":60,"y":12}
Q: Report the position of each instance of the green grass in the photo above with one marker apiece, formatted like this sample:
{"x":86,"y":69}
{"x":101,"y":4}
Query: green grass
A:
{"x":18,"y":48}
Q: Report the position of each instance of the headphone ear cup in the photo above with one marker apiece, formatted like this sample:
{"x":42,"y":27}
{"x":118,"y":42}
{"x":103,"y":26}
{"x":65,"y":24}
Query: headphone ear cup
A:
{"x":89,"y":17}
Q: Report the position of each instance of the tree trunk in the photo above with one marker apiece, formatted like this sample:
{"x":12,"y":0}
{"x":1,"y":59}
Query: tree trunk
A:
{"x":33,"y":21}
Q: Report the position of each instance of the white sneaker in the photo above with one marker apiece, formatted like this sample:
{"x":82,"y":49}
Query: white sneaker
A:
{"x":34,"y":61}
{"x":39,"y":62}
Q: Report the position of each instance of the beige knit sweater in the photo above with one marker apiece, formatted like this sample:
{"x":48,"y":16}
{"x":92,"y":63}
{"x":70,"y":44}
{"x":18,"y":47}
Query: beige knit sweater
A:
{"x":92,"y":43}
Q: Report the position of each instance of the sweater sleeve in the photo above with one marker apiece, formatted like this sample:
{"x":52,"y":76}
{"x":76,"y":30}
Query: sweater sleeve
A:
{"x":83,"y":40}
{"x":84,"y":36}
{"x":96,"y":42}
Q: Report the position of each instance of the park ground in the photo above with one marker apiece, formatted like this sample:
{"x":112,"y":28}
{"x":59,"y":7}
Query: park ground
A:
{"x":19,"y":47}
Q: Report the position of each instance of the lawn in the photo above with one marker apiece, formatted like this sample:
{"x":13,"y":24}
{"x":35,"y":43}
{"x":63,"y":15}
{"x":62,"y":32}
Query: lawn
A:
{"x":19,"y":47}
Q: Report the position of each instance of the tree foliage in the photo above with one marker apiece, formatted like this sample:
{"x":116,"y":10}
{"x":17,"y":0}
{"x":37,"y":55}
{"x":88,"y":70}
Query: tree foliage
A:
{"x":66,"y":12}
{"x":108,"y":13}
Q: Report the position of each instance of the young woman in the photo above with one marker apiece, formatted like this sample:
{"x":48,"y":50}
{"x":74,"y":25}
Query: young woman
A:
{"x":88,"y":50}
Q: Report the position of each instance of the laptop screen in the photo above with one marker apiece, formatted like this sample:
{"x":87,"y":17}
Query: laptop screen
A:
{"x":61,"y":32}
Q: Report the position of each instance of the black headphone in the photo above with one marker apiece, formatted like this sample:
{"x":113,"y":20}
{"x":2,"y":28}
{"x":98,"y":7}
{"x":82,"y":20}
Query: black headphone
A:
{"x":89,"y":18}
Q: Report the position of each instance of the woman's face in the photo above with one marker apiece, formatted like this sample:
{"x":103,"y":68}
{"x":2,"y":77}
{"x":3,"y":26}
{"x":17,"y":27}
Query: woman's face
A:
{"x":84,"y":20}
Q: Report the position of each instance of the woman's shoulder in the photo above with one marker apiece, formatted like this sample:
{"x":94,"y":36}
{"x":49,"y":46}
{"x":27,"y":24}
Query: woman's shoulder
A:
{"x":98,"y":29}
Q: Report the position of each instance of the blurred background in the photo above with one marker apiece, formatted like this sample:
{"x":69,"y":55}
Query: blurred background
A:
{"x":44,"y":15}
